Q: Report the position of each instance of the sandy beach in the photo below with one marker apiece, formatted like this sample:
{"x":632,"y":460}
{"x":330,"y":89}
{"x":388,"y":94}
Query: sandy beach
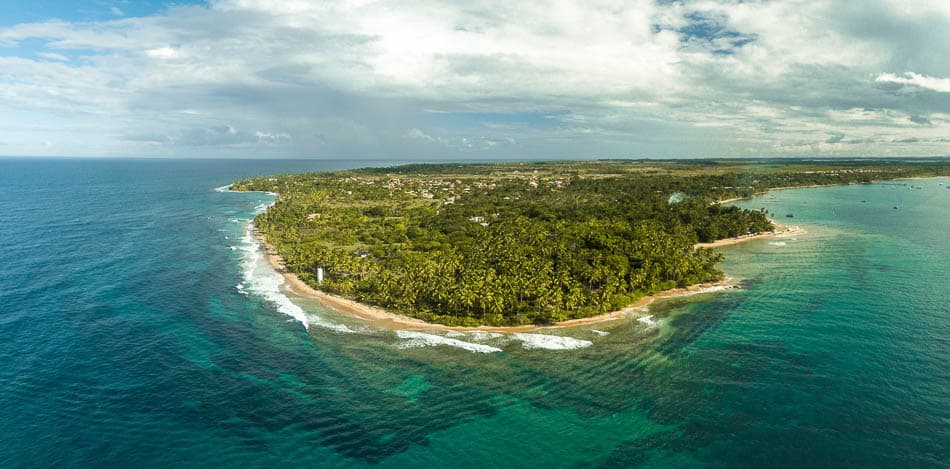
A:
{"x":780,"y":231}
{"x":384,"y":319}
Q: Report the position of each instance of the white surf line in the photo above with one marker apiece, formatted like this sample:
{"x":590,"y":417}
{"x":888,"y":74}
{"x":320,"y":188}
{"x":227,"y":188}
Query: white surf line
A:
{"x":712,"y":289}
{"x":482,"y":335}
{"x":528,"y":341}
{"x":421,"y":339}
{"x":550,"y":342}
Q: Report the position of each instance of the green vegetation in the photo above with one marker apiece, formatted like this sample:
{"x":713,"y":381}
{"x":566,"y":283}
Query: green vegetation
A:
{"x":520,"y":243}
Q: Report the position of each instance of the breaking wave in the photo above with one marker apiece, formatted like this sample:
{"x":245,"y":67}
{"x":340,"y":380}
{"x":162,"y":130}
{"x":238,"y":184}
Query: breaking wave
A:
{"x":648,"y":321}
{"x":421,"y":339}
{"x":550,"y":342}
{"x":711,"y":289}
{"x":482,"y":335}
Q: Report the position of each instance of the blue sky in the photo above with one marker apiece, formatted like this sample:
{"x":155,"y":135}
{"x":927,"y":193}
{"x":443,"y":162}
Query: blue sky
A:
{"x":33,"y":11}
{"x":476,"y":79}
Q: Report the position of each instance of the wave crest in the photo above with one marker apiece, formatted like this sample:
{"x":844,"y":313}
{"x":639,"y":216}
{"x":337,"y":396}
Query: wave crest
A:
{"x":421,"y":339}
{"x":550,"y":342}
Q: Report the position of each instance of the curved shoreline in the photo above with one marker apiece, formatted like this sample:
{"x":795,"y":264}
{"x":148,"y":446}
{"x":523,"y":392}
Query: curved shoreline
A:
{"x":384,"y":319}
{"x":381,"y":318}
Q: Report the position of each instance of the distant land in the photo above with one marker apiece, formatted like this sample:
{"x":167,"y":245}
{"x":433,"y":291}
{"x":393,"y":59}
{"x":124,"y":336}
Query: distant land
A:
{"x":534,"y":243}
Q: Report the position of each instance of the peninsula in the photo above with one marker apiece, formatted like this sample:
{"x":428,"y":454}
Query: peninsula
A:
{"x":524,"y":244}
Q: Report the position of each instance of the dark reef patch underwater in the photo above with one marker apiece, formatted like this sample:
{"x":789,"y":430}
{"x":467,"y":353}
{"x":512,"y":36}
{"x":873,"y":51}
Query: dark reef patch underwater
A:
{"x":126,"y":340}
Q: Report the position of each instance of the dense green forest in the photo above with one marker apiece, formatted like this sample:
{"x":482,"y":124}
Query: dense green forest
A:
{"x":520,"y":243}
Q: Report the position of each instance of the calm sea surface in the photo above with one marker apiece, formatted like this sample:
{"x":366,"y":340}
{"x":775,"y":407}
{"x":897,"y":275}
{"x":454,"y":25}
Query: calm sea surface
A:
{"x":138,"y":326}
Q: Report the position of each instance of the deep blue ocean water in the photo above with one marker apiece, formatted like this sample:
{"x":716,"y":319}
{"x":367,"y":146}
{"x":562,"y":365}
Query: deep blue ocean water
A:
{"x":139,"y":326}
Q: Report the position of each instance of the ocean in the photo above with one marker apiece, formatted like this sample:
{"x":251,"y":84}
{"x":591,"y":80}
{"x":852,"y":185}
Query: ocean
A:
{"x":139,"y":325}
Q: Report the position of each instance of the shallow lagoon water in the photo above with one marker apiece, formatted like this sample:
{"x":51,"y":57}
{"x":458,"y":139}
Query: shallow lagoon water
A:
{"x":127,"y":339}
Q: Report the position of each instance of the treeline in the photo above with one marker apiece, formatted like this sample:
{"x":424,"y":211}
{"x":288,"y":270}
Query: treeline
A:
{"x":505,"y":244}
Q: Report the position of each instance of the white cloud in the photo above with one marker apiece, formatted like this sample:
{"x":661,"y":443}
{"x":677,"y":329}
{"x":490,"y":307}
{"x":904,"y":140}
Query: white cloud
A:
{"x":162,"y":53}
{"x":941,"y":85}
{"x":53,"y":56}
{"x":220,"y":135}
{"x":610,"y":78}
{"x":417,"y":134}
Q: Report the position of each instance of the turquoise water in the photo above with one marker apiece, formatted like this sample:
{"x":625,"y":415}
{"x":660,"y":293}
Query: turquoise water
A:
{"x":139,"y":327}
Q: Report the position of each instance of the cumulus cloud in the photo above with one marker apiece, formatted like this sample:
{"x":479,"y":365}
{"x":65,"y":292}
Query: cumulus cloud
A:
{"x":432,"y":78}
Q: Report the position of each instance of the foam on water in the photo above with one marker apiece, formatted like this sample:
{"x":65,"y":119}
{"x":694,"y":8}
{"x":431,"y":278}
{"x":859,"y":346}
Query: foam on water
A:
{"x":421,"y":339}
{"x":482,"y":335}
{"x":262,"y":280}
{"x":712,"y":289}
{"x":550,"y":342}
{"x":648,"y":321}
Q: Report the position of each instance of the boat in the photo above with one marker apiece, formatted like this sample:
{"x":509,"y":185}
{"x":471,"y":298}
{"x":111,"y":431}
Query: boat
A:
{"x":789,"y":215}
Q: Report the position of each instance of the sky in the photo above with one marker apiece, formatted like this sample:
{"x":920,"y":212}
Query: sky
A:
{"x":478,"y":79}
